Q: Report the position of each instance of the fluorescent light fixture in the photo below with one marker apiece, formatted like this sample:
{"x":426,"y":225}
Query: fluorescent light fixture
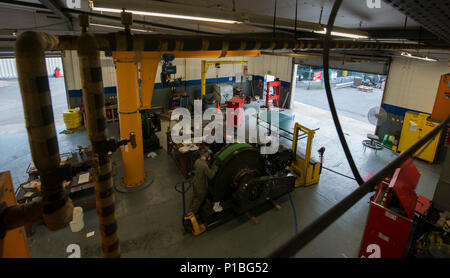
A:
{"x":110,"y":10}
{"x":339,"y":34}
{"x":425,"y":58}
{"x":118,"y":27}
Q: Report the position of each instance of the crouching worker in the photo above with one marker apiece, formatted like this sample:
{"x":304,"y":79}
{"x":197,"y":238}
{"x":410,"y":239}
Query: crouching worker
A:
{"x":202,"y":172}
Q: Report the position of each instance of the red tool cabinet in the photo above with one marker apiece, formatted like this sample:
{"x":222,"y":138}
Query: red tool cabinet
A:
{"x":276,"y":85}
{"x":235,"y":103}
{"x":391,"y":215}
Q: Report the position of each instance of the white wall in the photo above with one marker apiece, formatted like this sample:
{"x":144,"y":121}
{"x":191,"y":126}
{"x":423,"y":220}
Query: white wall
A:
{"x":413,"y":83}
{"x":279,"y":66}
{"x":8,"y":67}
{"x":71,"y":66}
{"x":187,"y":68}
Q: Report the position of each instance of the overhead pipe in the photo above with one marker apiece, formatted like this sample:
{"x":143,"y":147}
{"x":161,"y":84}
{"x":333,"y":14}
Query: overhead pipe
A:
{"x":20,"y":215}
{"x":120,"y":41}
{"x":94,"y":105}
{"x":37,"y":105}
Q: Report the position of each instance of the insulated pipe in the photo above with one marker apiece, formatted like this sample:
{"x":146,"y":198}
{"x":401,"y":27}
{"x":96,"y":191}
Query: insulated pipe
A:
{"x":94,"y":103}
{"x":151,"y":42}
{"x":22,"y":214}
{"x":37,"y":107}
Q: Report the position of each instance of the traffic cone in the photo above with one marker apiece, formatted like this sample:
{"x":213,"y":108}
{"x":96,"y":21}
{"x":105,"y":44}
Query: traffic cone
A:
{"x":218,"y":108}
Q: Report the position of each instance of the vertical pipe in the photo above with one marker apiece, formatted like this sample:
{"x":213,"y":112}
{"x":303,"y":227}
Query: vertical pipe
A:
{"x":130,"y":118}
{"x":37,"y":106}
{"x":94,"y":103}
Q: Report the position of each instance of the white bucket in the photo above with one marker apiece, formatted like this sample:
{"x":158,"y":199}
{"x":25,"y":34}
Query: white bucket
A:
{"x":77,"y":223}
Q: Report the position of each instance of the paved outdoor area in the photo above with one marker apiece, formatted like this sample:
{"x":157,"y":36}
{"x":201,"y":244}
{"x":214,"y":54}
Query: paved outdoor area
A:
{"x":349,"y":101}
{"x":12,"y":119}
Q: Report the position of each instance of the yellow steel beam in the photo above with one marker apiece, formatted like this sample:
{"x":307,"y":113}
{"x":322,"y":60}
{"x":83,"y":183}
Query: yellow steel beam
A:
{"x":204,"y":69}
{"x":129,"y":117}
{"x":129,"y":101}
{"x":201,"y":54}
{"x":149,"y":67}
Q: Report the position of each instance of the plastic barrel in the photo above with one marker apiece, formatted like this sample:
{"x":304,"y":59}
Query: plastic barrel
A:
{"x":72,"y":118}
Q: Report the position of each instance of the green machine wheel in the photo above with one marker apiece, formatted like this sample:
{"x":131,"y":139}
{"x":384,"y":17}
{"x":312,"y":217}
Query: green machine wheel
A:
{"x":237,"y":162}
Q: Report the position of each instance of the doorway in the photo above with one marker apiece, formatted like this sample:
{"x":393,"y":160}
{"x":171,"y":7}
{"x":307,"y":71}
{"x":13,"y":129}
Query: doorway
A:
{"x":12,"y":120}
{"x":357,"y":96}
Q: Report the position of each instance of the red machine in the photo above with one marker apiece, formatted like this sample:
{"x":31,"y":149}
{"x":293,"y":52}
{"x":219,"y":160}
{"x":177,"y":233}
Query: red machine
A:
{"x":276,"y":85}
{"x":391,"y":215}
{"x":235,"y":103}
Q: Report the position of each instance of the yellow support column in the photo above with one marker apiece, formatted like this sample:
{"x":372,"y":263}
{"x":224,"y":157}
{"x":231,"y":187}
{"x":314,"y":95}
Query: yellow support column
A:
{"x":129,"y":118}
{"x":204,"y":69}
{"x":149,"y":67}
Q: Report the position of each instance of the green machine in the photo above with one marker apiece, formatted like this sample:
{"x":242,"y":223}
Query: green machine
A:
{"x":246,"y":182}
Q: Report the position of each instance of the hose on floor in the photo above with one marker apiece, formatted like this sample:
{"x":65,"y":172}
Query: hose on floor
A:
{"x":326,"y":67}
{"x":295,"y":215}
{"x":338,"y":173}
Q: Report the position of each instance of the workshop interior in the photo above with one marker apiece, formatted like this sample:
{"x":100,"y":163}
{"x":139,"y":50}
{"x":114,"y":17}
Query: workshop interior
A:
{"x":354,"y":96}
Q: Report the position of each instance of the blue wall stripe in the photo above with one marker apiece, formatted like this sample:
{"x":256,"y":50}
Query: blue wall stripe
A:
{"x":397,"y":110}
{"x":196,"y":82}
{"x":79,"y":93}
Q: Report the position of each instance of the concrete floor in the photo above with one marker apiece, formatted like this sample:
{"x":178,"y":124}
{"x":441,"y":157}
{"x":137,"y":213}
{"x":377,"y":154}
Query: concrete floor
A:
{"x":350,"y":102}
{"x":149,"y":221}
{"x":12,"y":118}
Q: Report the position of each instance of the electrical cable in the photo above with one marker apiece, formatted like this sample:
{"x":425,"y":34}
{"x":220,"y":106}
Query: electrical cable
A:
{"x":295,"y":213}
{"x":295,"y":216}
{"x":338,"y":173}
{"x":326,"y":68}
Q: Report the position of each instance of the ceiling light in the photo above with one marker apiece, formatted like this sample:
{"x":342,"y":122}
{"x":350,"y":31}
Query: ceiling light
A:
{"x":339,"y":34}
{"x":110,"y":10}
{"x":425,"y":58}
{"x":118,"y":27}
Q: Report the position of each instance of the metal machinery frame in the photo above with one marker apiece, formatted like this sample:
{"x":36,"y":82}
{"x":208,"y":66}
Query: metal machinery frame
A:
{"x":307,"y":168}
{"x":276,"y":85}
{"x":128,"y":66}
{"x":205,"y":66}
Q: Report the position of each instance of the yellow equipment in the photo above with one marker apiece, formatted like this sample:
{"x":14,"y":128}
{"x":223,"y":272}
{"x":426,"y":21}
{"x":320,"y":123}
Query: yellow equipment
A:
{"x":72,"y":118}
{"x":14,"y":244}
{"x":129,"y":103}
{"x":205,"y":67}
{"x":132,"y":98}
{"x":415,"y":126}
{"x":304,"y":166}
{"x":197,"y":229}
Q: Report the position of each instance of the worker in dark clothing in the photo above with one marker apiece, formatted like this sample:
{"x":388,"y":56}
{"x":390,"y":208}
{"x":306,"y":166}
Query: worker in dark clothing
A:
{"x":200,"y":184}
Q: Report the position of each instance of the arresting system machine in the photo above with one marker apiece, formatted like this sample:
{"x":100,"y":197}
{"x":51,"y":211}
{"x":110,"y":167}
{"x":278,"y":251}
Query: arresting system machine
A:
{"x":246,"y":182}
